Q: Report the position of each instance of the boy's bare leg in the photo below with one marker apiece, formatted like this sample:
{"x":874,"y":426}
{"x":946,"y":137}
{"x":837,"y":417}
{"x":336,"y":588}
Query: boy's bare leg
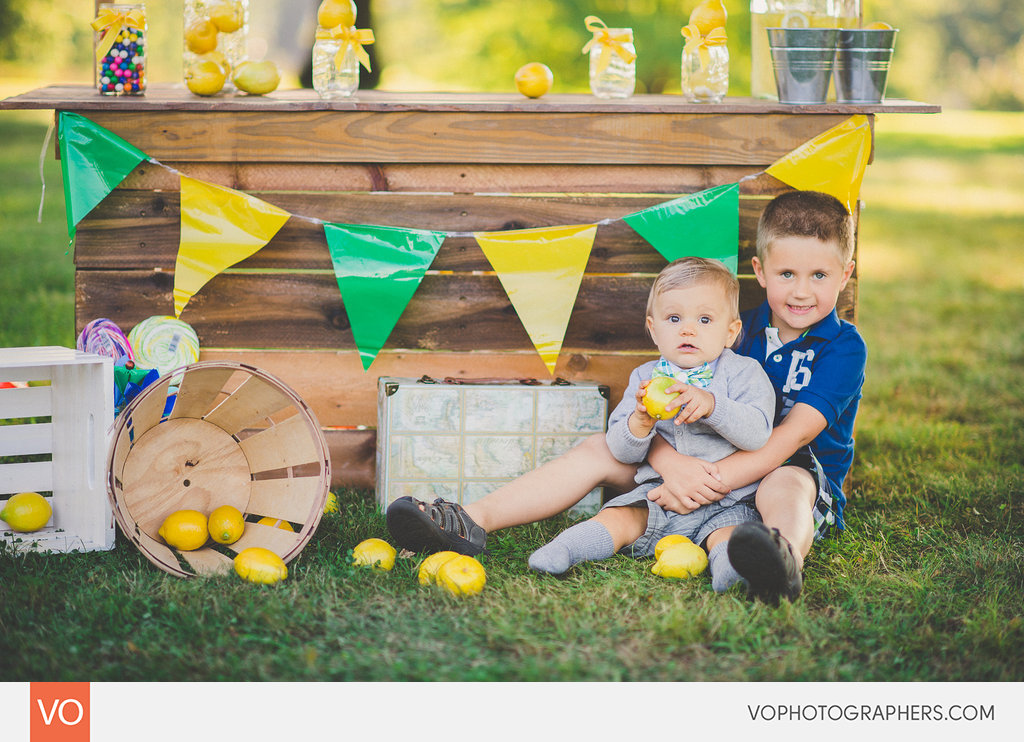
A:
{"x":553,"y":487}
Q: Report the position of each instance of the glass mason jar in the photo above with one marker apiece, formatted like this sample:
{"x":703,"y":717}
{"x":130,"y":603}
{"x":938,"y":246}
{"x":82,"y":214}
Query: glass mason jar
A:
{"x":331,"y":79}
{"x":706,"y":83}
{"x":215,"y":28}
{"x":618,"y":78}
{"x":121,"y":49}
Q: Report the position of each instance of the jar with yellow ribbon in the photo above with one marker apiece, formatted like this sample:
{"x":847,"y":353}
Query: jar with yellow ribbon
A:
{"x":337,"y":54}
{"x":612,"y":59}
{"x":120,"y":45}
{"x":705,"y":65}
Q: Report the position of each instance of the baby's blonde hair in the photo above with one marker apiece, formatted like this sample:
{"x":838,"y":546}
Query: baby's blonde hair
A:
{"x":691,"y":271}
{"x":806,"y":214}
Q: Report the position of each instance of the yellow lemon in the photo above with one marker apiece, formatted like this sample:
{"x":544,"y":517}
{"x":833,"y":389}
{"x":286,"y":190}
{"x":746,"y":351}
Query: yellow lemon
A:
{"x":462,"y":575}
{"x":656,"y":398}
{"x":257,"y":78}
{"x":201,"y":36}
{"x":333,"y":13}
{"x":260,"y":565}
{"x":184,"y":529}
{"x":227,"y":17}
{"x":668,"y":542}
{"x":276,"y":523}
{"x":205,"y":78}
{"x":681,"y":561}
{"x":26,"y":512}
{"x":226,"y":524}
{"x":430,"y":565}
{"x":331,"y":504}
{"x":219,"y":58}
{"x":878,"y":26}
{"x":374,"y":552}
{"x":534,"y":79}
{"x":708,"y":15}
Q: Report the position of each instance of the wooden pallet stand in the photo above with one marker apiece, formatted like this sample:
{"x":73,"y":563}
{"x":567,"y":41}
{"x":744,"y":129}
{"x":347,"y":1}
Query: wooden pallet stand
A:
{"x":213,"y":434}
{"x":53,"y":441}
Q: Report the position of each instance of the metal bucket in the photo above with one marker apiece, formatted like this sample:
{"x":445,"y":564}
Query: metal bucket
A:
{"x":803,"y":59}
{"x":862,"y":63}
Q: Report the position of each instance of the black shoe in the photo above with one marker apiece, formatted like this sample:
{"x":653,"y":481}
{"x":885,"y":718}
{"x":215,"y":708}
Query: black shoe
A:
{"x":765,"y":560}
{"x":437,"y":526}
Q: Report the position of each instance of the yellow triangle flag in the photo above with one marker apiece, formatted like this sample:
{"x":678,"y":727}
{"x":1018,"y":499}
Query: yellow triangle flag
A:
{"x":541,"y":270}
{"x":833,"y":162}
{"x":219,"y":227}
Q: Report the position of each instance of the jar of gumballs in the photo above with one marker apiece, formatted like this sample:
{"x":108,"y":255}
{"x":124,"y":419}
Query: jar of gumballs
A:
{"x":120,"y":44}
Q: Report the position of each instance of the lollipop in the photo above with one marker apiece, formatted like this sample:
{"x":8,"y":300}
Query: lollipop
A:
{"x":164,"y":343}
{"x":104,"y":338}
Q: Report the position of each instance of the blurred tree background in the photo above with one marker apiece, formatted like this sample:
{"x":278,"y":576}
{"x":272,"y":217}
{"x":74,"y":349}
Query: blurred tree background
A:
{"x":959,"y":53}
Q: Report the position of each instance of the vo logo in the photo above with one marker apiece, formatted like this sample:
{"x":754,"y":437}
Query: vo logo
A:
{"x":59,"y":712}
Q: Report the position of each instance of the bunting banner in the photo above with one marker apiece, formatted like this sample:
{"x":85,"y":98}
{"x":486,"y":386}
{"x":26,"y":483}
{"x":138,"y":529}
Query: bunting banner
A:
{"x":378,"y":270}
{"x":93,"y":162}
{"x":833,"y":162}
{"x":541,"y":270}
{"x":704,"y":225}
{"x":219,"y":227}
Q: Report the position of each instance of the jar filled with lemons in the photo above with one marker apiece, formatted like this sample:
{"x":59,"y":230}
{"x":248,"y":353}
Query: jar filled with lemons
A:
{"x":216,"y":38}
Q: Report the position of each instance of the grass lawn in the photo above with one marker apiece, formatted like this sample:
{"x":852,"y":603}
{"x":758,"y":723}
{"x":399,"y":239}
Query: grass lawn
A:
{"x":926,"y":585}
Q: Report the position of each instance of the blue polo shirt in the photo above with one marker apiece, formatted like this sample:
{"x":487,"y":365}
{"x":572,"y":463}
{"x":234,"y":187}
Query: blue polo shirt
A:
{"x":823,"y":368}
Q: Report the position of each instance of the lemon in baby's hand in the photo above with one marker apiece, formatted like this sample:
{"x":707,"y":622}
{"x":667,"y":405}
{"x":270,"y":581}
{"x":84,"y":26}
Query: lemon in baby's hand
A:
{"x":430,"y":565}
{"x":668,"y":542}
{"x":656,"y":398}
{"x":284,"y":525}
{"x":205,"y":78}
{"x":26,"y":512}
{"x":534,"y":79}
{"x":185,"y":530}
{"x":226,"y":524}
{"x":260,"y":565}
{"x":462,"y":575}
{"x":374,"y":552}
{"x":681,"y":561}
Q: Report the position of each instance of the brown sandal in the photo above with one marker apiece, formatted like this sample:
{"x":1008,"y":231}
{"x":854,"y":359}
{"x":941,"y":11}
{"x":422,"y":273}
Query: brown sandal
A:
{"x":438,"y":526}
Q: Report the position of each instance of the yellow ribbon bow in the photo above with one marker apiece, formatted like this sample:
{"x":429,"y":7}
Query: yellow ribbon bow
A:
{"x":694,"y":41}
{"x":348,"y":36}
{"x":114,"y":21}
{"x":608,"y":42}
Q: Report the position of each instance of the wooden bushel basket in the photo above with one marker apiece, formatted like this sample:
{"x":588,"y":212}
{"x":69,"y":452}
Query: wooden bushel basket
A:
{"x":212,"y":434}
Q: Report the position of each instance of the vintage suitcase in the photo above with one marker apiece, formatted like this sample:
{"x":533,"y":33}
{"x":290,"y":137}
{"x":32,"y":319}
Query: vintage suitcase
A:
{"x":462,"y":438}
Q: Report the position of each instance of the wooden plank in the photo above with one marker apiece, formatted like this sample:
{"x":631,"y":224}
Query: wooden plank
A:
{"x":467,"y":136}
{"x":290,"y":443}
{"x":141,"y":229}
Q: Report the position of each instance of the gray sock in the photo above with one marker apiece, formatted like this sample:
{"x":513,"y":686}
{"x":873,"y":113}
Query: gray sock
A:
{"x":723,"y":575}
{"x":588,"y":541}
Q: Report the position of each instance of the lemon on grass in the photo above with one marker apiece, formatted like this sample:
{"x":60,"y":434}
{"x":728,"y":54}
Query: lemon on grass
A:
{"x":331,"y":504}
{"x":681,"y":561}
{"x":534,"y":79}
{"x":333,"y":13}
{"x":374,"y":552}
{"x":260,"y":565}
{"x":205,"y":78}
{"x":226,"y":524}
{"x":284,"y":525}
{"x":462,"y":575}
{"x":26,"y":512}
{"x":668,"y":542}
{"x":185,"y":530}
{"x":430,"y":565}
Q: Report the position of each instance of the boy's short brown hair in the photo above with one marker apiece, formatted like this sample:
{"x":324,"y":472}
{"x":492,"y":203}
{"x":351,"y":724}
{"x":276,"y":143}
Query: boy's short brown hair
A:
{"x":806,"y":214}
{"x":690,"y":271}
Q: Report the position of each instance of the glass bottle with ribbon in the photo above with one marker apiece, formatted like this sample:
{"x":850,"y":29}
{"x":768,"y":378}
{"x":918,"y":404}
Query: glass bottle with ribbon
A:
{"x":705,"y":65}
{"x":337,"y":54}
{"x":612,"y":59}
{"x":120,"y":45}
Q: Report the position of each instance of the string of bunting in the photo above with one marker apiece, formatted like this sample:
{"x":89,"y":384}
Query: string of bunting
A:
{"x":378,"y":268}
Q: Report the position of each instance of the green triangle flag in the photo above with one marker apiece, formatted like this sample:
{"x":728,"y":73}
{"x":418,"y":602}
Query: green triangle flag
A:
{"x":93,"y":162}
{"x":378,"y":270}
{"x":705,"y":225}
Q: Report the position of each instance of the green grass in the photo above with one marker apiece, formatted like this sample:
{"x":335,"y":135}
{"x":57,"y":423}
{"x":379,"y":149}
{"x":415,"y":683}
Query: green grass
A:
{"x":926,"y":585}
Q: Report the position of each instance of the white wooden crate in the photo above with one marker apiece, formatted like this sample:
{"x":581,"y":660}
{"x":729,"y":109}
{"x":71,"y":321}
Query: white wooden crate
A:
{"x":54,"y":431}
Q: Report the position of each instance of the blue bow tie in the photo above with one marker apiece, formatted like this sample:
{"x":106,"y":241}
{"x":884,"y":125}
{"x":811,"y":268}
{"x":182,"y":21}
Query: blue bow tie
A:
{"x":699,"y":376}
